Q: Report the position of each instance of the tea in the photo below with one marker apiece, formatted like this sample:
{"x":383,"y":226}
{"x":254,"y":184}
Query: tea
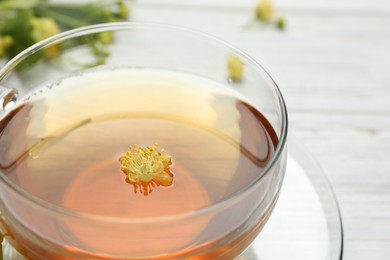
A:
{"x":63,"y":145}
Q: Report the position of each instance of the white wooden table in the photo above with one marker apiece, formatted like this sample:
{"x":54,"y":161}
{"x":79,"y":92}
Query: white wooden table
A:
{"x":333,"y":65}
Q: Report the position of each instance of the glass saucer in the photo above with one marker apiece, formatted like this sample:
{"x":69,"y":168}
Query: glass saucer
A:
{"x":306,"y":222}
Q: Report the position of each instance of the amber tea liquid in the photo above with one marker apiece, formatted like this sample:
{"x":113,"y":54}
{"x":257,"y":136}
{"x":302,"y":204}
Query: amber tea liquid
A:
{"x":63,"y":145}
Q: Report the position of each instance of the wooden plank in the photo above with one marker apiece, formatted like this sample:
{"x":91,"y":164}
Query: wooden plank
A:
{"x":375,"y":6}
{"x":332,"y":65}
{"x":315,"y":51}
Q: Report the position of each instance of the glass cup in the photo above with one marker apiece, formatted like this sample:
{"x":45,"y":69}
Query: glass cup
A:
{"x":37,"y":229}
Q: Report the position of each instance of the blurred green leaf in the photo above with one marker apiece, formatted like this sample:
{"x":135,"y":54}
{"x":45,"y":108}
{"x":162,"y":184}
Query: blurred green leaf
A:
{"x":25,"y":22}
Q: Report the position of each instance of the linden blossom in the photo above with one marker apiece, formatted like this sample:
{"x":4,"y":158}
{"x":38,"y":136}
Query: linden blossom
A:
{"x":235,"y":68}
{"x":26,"y":22}
{"x":146,"y":168}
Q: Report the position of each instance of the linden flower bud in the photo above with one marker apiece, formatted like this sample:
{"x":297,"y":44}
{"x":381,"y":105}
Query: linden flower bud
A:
{"x":280,"y":23}
{"x":264,"y":10}
{"x":5,"y":42}
{"x":106,"y":38}
{"x":43,"y":28}
{"x":146,"y":168}
{"x":124,"y":11}
{"x":235,"y":68}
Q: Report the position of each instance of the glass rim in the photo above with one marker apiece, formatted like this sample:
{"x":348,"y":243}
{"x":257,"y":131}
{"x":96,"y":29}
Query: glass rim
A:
{"x":117,"y":26}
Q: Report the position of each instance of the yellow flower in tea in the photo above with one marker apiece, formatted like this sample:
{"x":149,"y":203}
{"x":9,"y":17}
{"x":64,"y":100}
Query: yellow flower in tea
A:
{"x":147,"y":168}
{"x":235,"y":68}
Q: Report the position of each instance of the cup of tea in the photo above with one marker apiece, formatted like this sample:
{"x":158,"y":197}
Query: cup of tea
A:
{"x":163,"y":144}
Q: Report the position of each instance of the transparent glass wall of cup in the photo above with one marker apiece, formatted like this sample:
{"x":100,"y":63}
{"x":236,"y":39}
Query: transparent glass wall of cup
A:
{"x":35,"y":227}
